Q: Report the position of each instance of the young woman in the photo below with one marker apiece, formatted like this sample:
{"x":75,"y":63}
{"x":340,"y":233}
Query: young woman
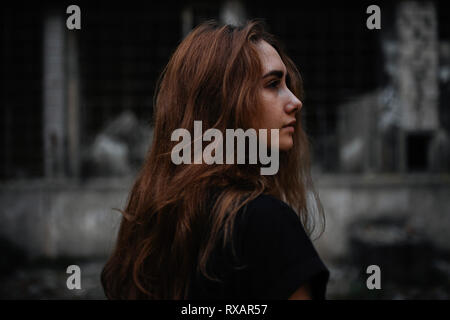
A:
{"x":221,"y":230}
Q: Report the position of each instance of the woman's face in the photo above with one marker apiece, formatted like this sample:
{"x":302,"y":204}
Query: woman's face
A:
{"x":278,"y":104}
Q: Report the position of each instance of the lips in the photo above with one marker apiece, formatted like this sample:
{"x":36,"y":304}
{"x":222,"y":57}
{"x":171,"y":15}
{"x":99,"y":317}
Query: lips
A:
{"x":290,"y":124}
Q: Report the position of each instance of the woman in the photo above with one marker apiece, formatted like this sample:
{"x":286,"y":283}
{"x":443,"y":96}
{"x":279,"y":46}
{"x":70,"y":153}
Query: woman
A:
{"x":220,"y":230}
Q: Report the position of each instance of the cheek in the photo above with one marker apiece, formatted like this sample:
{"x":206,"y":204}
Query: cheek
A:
{"x":262,"y":116}
{"x":269,"y":121}
{"x":269,"y":114}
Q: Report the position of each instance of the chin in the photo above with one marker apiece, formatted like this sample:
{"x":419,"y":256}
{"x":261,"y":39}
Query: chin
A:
{"x":286,"y":144}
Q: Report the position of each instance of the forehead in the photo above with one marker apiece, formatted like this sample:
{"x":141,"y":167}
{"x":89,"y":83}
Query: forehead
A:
{"x":270,"y":59}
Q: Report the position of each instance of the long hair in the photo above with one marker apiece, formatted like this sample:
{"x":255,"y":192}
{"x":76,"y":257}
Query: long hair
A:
{"x":168,"y":230}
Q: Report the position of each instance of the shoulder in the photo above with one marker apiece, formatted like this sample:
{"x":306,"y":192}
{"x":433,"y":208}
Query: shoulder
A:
{"x":268,"y":210}
{"x":270,"y":223}
{"x":264,"y":200}
{"x":279,"y":252}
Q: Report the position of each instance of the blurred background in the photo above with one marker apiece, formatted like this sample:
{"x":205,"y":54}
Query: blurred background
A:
{"x":76,"y":110}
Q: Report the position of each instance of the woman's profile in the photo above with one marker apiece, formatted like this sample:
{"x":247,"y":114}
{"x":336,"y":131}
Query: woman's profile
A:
{"x":220,"y":230}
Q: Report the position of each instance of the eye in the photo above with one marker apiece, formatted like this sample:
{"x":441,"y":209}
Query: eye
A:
{"x":274,"y":84}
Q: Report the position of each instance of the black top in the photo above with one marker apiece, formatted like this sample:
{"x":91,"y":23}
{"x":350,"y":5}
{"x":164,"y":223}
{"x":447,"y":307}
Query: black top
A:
{"x":277,"y":253}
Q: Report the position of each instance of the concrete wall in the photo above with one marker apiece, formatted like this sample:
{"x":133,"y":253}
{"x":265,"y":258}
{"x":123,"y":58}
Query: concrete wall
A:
{"x":62,"y":219}
{"x":422,"y":199}
{"x":73,"y":219}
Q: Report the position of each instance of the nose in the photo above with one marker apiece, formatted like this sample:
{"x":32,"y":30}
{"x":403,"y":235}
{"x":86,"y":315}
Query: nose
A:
{"x":294,"y":104}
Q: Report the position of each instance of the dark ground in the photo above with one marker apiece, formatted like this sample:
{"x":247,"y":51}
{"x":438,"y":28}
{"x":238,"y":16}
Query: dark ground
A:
{"x":47,"y":280}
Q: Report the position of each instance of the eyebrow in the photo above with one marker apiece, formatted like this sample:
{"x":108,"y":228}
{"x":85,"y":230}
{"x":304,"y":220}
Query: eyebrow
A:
{"x":277,"y":73}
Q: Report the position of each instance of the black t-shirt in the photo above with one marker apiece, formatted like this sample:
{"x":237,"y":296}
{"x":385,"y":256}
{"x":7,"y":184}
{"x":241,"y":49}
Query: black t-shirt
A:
{"x":275,"y":254}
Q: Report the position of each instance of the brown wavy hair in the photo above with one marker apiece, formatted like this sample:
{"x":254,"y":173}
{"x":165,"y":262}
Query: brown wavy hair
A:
{"x":168,"y":230}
